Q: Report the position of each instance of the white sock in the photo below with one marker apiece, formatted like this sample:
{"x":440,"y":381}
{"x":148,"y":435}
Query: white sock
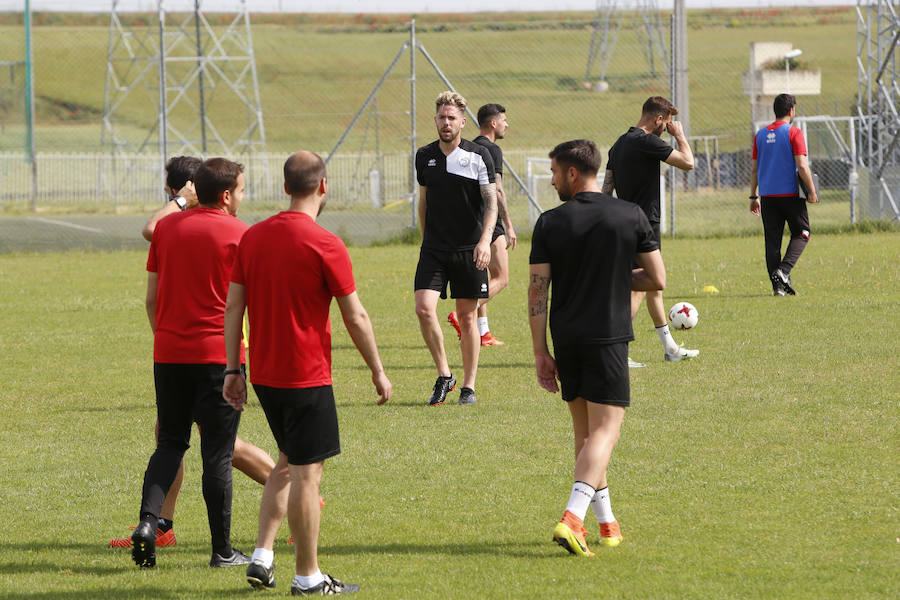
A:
{"x":580,"y":499}
{"x":602,"y":507}
{"x":307,"y":582}
{"x":665,"y":336}
{"x":261,"y":555}
{"x":483,"y":326}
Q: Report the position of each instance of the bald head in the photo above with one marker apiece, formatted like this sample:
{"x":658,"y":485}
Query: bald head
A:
{"x":302,"y":173}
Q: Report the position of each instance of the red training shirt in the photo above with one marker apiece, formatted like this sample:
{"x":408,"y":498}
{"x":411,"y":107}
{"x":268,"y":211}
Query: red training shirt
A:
{"x":193,"y":253}
{"x":291,"y":268}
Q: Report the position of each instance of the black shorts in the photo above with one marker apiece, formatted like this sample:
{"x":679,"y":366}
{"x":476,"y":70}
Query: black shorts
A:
{"x":436,"y":268}
{"x":499,"y":230}
{"x":303,"y":421}
{"x":596,"y":372}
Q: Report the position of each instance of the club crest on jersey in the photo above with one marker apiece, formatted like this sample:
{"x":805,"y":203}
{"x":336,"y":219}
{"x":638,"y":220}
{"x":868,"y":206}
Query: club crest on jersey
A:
{"x":464,"y":160}
{"x":432,"y":162}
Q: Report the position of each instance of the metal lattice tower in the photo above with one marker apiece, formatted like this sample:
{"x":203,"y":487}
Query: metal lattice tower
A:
{"x":182,"y":86}
{"x":647,"y":23}
{"x":878,"y":106}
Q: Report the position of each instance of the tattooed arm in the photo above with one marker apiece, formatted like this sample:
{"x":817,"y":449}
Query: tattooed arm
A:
{"x":538,"y":294}
{"x":482,"y":253}
{"x":609,"y":183}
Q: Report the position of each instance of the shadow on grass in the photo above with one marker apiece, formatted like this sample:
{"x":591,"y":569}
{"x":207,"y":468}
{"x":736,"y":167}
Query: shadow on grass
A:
{"x":110,"y":409}
{"x":117,"y":560}
{"x":404,"y":403}
{"x":682,"y":297}
{"x":423,"y":367}
{"x":530,"y":550}
{"x":107,"y":594}
{"x":382,"y":347}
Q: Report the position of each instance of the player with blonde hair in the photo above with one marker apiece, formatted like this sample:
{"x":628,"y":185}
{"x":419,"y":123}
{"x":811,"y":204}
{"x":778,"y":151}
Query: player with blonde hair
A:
{"x":457,"y":211}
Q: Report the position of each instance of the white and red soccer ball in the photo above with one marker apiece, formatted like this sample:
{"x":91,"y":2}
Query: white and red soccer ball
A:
{"x":683,"y":316}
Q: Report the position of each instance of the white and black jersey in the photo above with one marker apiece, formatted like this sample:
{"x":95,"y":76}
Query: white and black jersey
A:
{"x":454,"y":212}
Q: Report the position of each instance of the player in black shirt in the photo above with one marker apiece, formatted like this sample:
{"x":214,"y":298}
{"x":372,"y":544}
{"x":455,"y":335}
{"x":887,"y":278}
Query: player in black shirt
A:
{"x":493,"y":124}
{"x":586,"y":248}
{"x":633,"y":172}
{"x":457,"y":212}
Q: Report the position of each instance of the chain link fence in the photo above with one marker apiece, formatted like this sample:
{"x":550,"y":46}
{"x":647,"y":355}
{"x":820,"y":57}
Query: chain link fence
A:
{"x":359,"y":90}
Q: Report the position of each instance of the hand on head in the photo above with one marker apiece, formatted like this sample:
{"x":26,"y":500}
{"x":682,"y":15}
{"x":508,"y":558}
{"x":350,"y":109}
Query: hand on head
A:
{"x":189,"y":193}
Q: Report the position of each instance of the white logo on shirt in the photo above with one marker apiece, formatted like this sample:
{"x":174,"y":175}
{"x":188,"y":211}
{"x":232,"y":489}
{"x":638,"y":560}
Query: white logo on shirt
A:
{"x":483,"y":287}
{"x":464,"y":160}
{"x":770,"y":137}
{"x":432,"y":162}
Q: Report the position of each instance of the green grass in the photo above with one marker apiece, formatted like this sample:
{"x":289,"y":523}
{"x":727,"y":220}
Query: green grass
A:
{"x":766,"y":468}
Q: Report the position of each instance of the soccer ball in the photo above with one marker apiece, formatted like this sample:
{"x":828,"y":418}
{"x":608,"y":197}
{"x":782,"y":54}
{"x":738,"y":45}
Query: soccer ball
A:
{"x":683,"y":316}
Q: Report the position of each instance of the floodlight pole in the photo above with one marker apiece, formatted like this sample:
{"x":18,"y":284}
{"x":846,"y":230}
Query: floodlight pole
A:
{"x":29,"y":104}
{"x":682,"y":97}
{"x":787,"y":67}
{"x":787,"y":75}
{"x":673,"y":84}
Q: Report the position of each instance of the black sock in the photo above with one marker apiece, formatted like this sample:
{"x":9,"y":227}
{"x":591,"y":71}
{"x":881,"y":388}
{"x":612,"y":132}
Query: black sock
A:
{"x":165,"y":524}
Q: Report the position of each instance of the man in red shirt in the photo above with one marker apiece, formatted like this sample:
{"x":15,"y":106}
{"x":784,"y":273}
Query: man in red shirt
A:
{"x":252,"y":460}
{"x":190,"y":261}
{"x":287,"y":271}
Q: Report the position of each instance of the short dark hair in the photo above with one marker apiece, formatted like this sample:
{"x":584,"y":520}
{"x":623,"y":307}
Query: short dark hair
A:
{"x":302,"y":173}
{"x":180,"y":170}
{"x":581,"y":154}
{"x":215,"y":176}
{"x":488,"y":112}
{"x":783,"y":105}
{"x":658,"y":106}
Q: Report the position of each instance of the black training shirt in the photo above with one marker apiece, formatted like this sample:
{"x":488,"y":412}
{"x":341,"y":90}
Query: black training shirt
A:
{"x":454,"y":210}
{"x":590,"y":242}
{"x":634,"y":160}
{"x":495,"y":150}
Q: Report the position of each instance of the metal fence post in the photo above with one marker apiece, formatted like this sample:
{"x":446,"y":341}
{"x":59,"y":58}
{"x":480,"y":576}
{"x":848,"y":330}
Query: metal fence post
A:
{"x":414,"y":199}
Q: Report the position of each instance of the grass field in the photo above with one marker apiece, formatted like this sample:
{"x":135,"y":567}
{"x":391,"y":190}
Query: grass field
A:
{"x":766,"y":468}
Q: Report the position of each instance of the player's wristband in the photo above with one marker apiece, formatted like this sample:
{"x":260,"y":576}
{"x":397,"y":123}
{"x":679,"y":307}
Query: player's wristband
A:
{"x":233,"y":372}
{"x":753,"y":197}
